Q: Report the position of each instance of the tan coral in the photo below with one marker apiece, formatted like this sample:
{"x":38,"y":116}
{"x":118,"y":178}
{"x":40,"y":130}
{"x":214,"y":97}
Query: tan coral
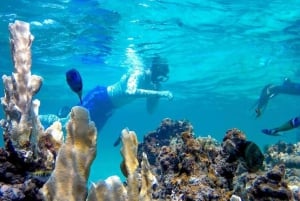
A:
{"x":130,"y":162}
{"x":129,"y":152}
{"x":110,"y":189}
{"x":139,"y":183}
{"x":68,"y":180}
{"x":148,"y":180}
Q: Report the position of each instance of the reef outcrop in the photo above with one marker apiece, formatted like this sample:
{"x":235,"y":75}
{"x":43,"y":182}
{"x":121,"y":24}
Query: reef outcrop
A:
{"x":200,"y":168}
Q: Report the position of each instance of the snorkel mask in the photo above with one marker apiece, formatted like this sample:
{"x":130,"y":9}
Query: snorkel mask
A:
{"x":159,"y":70}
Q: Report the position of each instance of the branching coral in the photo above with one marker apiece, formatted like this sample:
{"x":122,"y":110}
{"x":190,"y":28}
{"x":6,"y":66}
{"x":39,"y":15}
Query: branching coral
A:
{"x":140,"y":183}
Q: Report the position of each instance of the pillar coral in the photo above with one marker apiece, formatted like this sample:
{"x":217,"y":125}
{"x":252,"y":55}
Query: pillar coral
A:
{"x":21,"y":111}
{"x":23,"y":132}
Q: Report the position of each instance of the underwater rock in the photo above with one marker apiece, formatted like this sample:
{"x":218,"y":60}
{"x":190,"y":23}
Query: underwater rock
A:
{"x":283,"y":152}
{"x":234,"y":144}
{"x":168,"y":159}
{"x":270,"y":186}
{"x":236,"y":160}
{"x":185,"y":170}
{"x":18,"y":181}
{"x":154,"y":140}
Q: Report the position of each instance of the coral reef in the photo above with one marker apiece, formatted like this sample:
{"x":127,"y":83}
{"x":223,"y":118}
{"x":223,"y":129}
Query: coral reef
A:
{"x":192,"y":168}
{"x":171,"y":163}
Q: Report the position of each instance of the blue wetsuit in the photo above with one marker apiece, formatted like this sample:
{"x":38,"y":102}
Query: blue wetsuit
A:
{"x":289,"y":87}
{"x":99,"y":105}
{"x":295,"y":122}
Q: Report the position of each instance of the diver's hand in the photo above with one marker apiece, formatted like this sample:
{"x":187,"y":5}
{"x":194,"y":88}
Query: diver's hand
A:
{"x":167,"y":94}
{"x":258,"y":112}
{"x":273,"y":132}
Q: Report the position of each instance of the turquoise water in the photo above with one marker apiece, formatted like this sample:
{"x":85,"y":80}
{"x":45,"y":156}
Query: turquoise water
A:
{"x":220,"y":53}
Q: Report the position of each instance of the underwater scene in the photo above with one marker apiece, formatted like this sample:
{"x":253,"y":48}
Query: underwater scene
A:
{"x":139,"y":100}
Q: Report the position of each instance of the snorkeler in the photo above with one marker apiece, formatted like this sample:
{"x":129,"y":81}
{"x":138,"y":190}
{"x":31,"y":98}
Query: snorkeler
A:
{"x":138,"y":82}
{"x":270,"y":91}
{"x":289,"y":125}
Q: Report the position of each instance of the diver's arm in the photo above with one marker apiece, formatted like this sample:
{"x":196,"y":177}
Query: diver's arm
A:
{"x":152,"y":93}
{"x":268,"y":92}
{"x":136,"y":79}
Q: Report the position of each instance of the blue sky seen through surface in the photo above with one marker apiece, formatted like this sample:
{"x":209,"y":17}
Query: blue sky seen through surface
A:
{"x":220,"y":53}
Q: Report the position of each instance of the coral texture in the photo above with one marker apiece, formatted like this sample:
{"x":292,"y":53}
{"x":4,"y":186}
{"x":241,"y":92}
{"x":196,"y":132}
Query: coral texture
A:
{"x":192,"y":168}
{"x":72,"y":166}
{"x":270,"y":186}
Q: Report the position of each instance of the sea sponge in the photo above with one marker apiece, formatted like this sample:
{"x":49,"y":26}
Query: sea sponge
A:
{"x":72,"y":166}
{"x":253,"y":157}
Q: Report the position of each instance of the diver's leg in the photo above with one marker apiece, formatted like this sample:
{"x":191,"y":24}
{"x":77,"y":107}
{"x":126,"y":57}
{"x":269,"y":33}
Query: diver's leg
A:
{"x":291,"y":124}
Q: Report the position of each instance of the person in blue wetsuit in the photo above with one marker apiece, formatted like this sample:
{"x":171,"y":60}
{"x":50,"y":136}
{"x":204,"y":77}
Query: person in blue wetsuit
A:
{"x":138,"y":82}
{"x":289,"y":125}
{"x":270,"y":91}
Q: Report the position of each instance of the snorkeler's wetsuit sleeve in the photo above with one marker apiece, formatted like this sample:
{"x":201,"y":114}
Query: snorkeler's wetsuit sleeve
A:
{"x":149,"y":93}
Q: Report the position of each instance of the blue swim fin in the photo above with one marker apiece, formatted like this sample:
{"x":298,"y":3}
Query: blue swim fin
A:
{"x":74,"y":81}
